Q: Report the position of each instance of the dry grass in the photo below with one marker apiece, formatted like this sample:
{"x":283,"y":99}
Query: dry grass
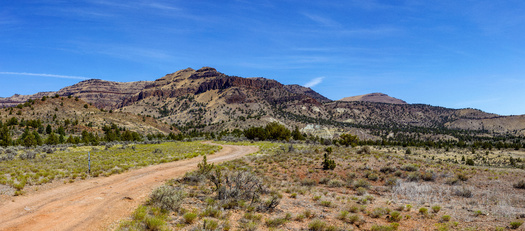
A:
{"x":316,"y":199}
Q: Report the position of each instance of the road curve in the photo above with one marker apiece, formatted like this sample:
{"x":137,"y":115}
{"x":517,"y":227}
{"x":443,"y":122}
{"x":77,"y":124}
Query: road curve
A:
{"x":99,"y":203}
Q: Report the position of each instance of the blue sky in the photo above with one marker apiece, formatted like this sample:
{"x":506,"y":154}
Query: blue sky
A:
{"x":447,"y":53}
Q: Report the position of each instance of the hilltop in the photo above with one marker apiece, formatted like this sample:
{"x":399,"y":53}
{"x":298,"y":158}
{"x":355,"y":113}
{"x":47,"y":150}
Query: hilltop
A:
{"x":206,"y":100}
{"x":374,"y":97}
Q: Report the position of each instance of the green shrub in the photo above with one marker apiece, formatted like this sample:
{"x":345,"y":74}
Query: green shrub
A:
{"x":410,"y":168}
{"x":209,"y":224}
{"x":373,"y":177}
{"x":436,"y":208}
{"x":308,"y":182}
{"x":462,"y":176}
{"x":326,"y":203}
{"x":154,"y":222}
{"x":140,"y":213}
{"x":354,"y":218}
{"x":428,"y":176}
{"x":423,"y":211}
{"x":478,"y":213}
{"x":413,"y":176}
{"x":335,"y":183}
{"x":377,"y":212}
{"x":276,"y":222}
{"x":189,"y":217}
{"x":353,"y":209}
{"x":167,"y":198}
{"x":342,"y":215}
{"x":395,"y":216}
{"x":361,"y":191}
{"x":445,"y":218}
{"x":515,"y":224}
{"x":317,"y":225}
{"x":391,"y":181}
{"x":390,"y":227}
{"x":211,"y":212}
{"x":361,"y":183}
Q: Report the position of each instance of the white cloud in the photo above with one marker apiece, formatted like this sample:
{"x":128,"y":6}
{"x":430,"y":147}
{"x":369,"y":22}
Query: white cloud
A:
{"x":314,"y":82}
{"x":45,"y":75}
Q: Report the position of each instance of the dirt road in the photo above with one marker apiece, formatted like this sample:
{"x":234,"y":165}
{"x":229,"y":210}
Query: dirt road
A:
{"x":98,"y":203}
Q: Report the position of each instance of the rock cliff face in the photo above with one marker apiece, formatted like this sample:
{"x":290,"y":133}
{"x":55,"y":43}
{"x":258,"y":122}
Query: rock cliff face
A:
{"x":206,"y":79}
{"x":103,"y":94}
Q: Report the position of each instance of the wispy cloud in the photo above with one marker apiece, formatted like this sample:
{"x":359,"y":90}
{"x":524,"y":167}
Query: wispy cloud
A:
{"x":314,"y":82}
{"x":322,"y":20}
{"x":45,"y":75}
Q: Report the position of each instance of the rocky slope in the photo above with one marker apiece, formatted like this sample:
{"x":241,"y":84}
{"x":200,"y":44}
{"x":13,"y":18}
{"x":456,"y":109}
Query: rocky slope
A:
{"x":80,"y":116}
{"x":101,"y":93}
{"x":208,"y":100}
{"x":374,"y":97}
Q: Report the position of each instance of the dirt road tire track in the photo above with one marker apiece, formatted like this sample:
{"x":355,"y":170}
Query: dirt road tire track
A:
{"x":99,"y":203}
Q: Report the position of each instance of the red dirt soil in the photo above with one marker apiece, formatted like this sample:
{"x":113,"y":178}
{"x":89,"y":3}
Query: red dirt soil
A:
{"x":98,"y":203}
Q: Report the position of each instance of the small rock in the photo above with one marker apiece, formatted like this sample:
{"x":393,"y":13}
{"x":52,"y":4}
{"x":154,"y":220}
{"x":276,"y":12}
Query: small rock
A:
{"x":127,"y":198}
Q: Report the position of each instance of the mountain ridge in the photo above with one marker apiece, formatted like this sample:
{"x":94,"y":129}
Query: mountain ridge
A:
{"x":208,"y":100}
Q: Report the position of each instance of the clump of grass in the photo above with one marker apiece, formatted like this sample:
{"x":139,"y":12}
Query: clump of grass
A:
{"x":250,"y":226}
{"x":391,"y":181}
{"x":410,"y":168}
{"x":377,"y":212}
{"x":154,"y":222}
{"x":515,"y":224}
{"x":335,"y":183}
{"x":445,"y":218}
{"x":209,"y":224}
{"x":275,"y":222}
{"x":395,"y":216}
{"x":326,"y":203}
{"x":354,"y":218}
{"x":423,"y":211}
{"x":361,"y":183}
{"x":317,"y":225}
{"x":189,"y":217}
{"x":167,"y":198}
{"x":342,"y":215}
{"x":436,"y":208}
{"x":308,"y":182}
{"x":353,"y":209}
{"x":478,"y":213}
{"x":360,"y":191}
{"x":373,"y":177}
{"x":428,"y":176}
{"x":390,"y":227}
{"x":414,"y":176}
{"x":211,"y":212}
